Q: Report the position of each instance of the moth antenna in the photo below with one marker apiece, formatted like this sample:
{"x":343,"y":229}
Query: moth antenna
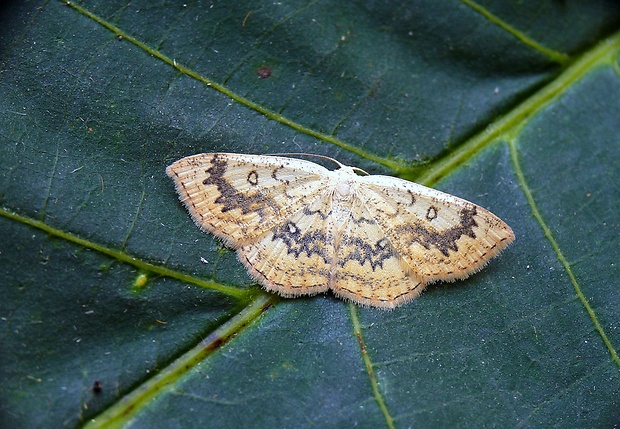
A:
{"x":313,"y":155}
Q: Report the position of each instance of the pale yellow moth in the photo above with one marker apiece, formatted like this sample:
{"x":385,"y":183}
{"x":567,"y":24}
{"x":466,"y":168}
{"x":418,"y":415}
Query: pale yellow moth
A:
{"x":301,"y":229}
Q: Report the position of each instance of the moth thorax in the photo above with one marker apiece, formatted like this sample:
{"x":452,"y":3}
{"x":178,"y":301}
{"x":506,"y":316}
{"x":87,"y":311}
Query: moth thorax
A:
{"x":344,"y":189}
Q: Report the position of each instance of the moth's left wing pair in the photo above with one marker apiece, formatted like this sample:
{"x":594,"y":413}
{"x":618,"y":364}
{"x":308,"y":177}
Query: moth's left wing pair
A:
{"x":239,"y":197}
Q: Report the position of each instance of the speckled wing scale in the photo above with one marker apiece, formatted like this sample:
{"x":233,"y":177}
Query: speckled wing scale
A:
{"x":301,"y":229}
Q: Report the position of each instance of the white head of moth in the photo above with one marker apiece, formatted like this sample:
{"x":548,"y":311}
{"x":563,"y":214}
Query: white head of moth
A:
{"x":301,"y":229}
{"x":345,"y":186}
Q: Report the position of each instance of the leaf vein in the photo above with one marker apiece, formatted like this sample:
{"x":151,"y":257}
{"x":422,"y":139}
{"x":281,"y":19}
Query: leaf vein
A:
{"x":121,"y":413}
{"x":558,"y":57}
{"x":357,"y":329}
{"x":509,"y":125}
{"x":125,"y":257}
{"x":390,"y":163}
{"x":560,"y":255}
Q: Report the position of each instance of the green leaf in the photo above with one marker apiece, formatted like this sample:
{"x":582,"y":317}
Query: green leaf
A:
{"x":512,"y":105}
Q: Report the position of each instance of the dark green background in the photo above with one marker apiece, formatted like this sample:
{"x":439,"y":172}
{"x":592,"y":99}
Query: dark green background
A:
{"x":514,"y":105}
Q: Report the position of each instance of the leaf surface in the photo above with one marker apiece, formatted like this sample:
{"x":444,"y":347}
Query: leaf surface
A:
{"x":511,"y":105}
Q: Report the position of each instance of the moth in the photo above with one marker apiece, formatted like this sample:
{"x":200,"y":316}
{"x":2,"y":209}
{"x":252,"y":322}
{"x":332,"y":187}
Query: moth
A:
{"x":302,"y":229}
